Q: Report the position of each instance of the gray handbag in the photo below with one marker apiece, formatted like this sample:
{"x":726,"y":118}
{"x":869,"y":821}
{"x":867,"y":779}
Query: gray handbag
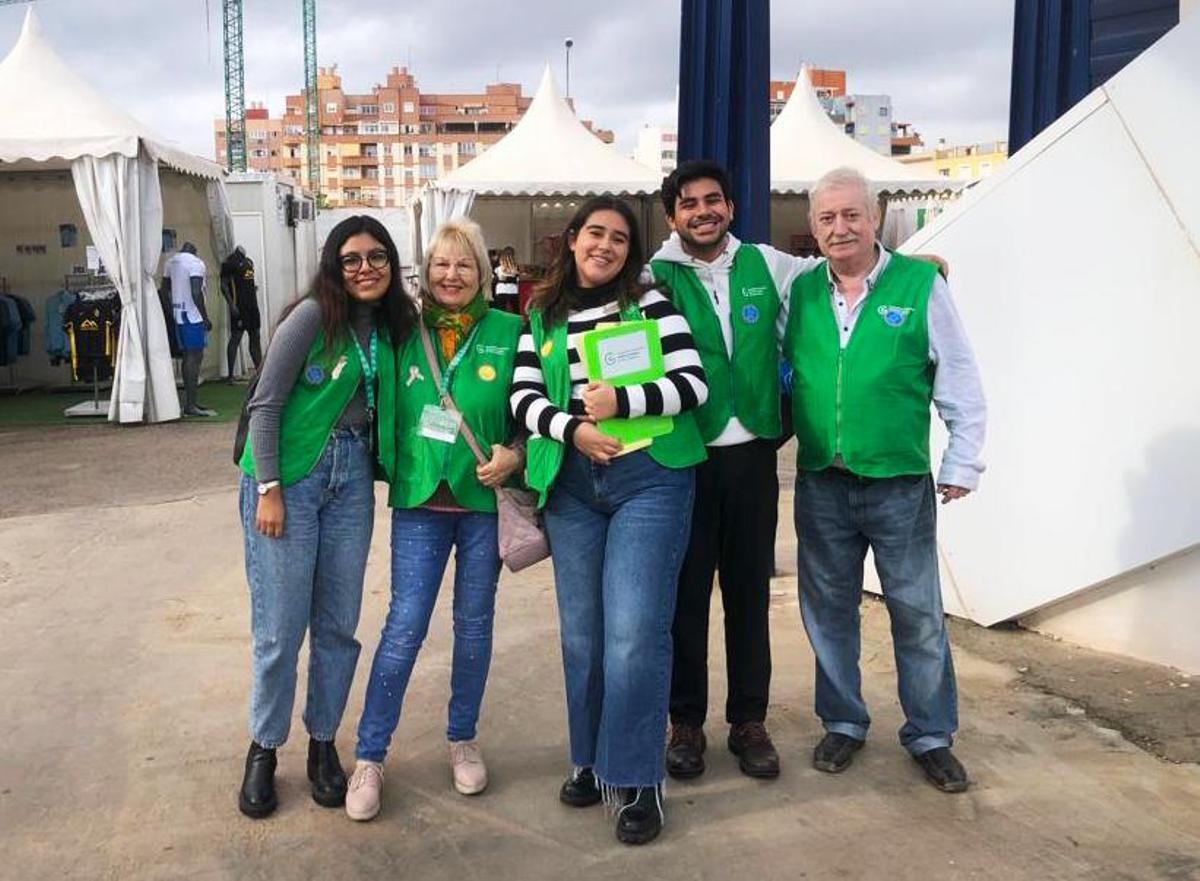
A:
{"x":521,"y":536}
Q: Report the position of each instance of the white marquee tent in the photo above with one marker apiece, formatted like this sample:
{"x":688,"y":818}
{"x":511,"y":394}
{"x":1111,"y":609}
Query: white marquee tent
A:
{"x":806,"y":143}
{"x":1077,"y":273}
{"x":54,"y":120}
{"x":525,"y":183}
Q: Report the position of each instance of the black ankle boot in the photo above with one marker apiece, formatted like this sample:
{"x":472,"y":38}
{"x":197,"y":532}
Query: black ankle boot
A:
{"x":580,"y":789}
{"x":257,"y":796}
{"x":325,"y":772}
{"x":641,"y":819}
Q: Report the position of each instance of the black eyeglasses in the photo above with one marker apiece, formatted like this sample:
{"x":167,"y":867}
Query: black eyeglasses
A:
{"x":352,"y":263}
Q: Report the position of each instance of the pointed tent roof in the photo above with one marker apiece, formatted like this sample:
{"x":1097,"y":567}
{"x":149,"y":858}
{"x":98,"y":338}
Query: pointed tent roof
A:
{"x":51,"y":112}
{"x":806,"y":143}
{"x":550,"y":152}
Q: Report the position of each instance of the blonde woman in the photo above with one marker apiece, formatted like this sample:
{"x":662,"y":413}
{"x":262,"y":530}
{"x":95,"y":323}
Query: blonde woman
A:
{"x":442,"y":499}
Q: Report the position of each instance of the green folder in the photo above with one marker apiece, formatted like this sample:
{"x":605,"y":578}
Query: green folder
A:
{"x":629,"y":353}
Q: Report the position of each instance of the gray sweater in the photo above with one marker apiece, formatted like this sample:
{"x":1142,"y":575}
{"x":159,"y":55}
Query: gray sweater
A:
{"x":284,"y":360}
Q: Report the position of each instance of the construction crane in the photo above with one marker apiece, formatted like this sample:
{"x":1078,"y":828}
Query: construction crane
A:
{"x":235,"y":91}
{"x":235,"y":88}
{"x":312,"y":118}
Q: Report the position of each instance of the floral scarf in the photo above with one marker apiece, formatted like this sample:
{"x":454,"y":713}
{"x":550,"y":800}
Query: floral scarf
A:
{"x":452,"y":326}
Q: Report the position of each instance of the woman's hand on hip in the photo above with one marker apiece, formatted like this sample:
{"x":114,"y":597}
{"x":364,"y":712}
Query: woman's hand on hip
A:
{"x":596,"y":445}
{"x":600,"y":400}
{"x":499,"y":468}
{"x":268,"y":517}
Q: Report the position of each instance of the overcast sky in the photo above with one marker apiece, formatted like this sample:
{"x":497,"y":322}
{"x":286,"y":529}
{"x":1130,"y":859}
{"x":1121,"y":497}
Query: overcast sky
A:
{"x":944,"y":62}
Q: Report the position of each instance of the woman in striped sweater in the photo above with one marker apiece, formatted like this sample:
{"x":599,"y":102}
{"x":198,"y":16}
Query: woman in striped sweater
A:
{"x":617,"y":521}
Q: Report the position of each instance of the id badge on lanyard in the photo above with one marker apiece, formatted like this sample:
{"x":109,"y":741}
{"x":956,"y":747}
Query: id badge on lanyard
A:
{"x":370,"y":370}
{"x":440,"y":422}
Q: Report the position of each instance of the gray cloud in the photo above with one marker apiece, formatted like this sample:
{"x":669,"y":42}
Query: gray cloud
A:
{"x":944,"y":62}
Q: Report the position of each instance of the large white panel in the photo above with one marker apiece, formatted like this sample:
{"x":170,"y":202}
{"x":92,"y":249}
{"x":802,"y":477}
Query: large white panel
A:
{"x":1158,"y":96}
{"x":1150,"y":614}
{"x":1078,"y":288}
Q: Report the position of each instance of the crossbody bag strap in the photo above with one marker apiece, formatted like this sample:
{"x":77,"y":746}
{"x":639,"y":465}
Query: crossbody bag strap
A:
{"x":447,"y":401}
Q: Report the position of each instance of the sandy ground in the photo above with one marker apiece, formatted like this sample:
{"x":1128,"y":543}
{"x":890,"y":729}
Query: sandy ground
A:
{"x":124,"y":661}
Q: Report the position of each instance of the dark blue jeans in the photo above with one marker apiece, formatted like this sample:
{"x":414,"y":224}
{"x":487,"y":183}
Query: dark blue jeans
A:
{"x":617,"y":533}
{"x":838,"y":516}
{"x":421,"y":543}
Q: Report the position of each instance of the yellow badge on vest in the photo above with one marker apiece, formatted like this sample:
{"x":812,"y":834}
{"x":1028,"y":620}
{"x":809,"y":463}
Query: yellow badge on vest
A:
{"x":486,"y":372}
{"x":547,"y":348}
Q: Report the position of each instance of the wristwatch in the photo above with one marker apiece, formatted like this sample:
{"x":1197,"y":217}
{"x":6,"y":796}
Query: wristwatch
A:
{"x":267,"y":486}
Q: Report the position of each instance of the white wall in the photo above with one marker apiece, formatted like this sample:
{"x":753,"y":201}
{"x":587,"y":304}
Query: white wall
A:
{"x":1150,"y":614}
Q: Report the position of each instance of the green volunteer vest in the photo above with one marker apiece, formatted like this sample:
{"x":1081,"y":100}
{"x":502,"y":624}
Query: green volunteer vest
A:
{"x":682,"y":448}
{"x":480,"y":388}
{"x":870,"y":401}
{"x":747,"y":387}
{"x":322,"y":390}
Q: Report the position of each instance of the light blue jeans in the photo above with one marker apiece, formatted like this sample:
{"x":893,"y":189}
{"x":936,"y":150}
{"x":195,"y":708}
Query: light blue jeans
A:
{"x":838,"y":516}
{"x":309,"y":580}
{"x":421,"y":543}
{"x":617,"y":534}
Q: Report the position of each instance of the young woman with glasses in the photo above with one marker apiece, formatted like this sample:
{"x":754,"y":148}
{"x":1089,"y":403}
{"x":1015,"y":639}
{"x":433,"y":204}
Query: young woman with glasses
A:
{"x":307,"y":497}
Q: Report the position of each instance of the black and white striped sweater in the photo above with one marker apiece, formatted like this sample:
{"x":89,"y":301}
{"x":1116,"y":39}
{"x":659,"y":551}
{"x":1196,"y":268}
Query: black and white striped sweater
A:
{"x":683,"y":387}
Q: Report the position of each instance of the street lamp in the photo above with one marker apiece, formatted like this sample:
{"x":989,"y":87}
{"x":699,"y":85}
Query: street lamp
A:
{"x":569,"y":44}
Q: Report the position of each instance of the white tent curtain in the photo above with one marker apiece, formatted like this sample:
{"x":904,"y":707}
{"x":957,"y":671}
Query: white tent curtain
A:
{"x":122,"y":205}
{"x":222,"y":218}
{"x":438,"y":206}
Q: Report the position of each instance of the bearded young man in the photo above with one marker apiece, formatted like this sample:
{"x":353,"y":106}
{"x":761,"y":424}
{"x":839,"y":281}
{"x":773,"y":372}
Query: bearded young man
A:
{"x":733,"y":295}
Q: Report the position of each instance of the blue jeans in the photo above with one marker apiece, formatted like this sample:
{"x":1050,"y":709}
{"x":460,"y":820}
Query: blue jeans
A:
{"x":617,"y":534}
{"x":838,"y":516}
{"x":421,"y":542}
{"x":310,"y":579}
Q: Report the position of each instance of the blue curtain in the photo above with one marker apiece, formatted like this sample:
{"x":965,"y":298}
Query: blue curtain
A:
{"x":724,"y":82}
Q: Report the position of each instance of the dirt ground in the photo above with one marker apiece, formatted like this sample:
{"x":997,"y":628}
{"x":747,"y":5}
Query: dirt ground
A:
{"x":124,"y":660}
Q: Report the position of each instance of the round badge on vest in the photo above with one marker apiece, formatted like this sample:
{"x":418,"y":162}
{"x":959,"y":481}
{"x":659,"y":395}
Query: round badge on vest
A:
{"x":547,"y":348}
{"x":314,"y":374}
{"x":750,"y":313}
{"x":486,"y":372}
{"x":893,"y":316}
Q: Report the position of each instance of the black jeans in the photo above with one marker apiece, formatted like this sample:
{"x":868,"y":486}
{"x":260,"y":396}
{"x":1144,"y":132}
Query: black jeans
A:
{"x":733,"y":533}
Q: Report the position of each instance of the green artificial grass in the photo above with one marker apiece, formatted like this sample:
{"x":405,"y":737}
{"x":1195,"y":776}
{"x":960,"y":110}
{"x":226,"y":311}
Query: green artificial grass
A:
{"x":46,"y":407}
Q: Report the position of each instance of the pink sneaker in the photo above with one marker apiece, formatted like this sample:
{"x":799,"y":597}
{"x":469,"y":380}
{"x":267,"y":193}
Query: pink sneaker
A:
{"x":470,"y":773}
{"x":365,"y":791}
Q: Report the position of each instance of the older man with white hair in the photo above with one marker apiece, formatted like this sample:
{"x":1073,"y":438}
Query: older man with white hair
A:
{"x":874,"y":339}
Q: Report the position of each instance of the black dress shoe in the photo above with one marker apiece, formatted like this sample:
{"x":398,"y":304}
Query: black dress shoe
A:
{"x":835,"y":752}
{"x":756,"y":754}
{"x":325,"y":772}
{"x":257,"y":796}
{"x":943,"y":770}
{"x":685,"y":751}
{"x":580,"y":789}
{"x":641,"y":818}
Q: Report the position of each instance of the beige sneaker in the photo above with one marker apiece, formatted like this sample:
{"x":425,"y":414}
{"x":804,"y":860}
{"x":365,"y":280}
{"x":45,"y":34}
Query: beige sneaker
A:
{"x":470,"y":773}
{"x":364,"y":791}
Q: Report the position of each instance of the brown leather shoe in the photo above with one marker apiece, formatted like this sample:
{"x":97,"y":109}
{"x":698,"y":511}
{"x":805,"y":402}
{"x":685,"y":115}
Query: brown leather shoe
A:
{"x":685,"y":751}
{"x":752,"y":745}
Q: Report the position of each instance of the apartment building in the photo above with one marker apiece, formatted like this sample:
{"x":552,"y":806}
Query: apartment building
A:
{"x":965,"y":162}
{"x":658,"y":147}
{"x":866,"y":118}
{"x":379,"y":148}
{"x":828,"y":84}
